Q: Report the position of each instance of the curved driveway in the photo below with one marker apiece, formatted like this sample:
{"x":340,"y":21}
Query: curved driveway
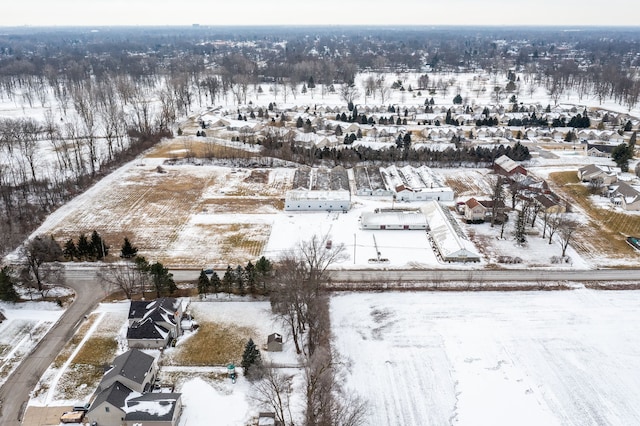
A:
{"x":14,"y":394}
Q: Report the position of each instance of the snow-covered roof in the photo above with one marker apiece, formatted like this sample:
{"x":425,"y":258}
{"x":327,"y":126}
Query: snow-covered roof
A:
{"x":449,"y":241}
{"x":300,"y":195}
{"x":395,"y":217}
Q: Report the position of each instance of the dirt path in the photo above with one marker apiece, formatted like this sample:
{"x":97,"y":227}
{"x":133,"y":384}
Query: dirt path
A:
{"x":14,"y":394}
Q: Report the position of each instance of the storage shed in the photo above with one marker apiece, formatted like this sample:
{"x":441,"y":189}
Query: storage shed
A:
{"x":394,"y":219}
{"x":446,"y":237}
{"x":303,"y":200}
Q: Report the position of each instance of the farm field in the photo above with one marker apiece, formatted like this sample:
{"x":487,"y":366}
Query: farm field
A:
{"x":563,"y":358}
{"x":195,"y":216}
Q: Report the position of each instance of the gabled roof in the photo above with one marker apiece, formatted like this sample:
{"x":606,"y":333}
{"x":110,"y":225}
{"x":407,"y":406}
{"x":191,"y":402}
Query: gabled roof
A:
{"x":133,"y":365}
{"x":159,"y":310}
{"x":147,"y":329}
{"x":116,"y":395}
{"x":152,"y":407}
{"x":274,"y":337}
{"x":506,"y":163}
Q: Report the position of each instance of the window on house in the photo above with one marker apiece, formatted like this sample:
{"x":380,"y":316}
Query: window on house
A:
{"x":106,"y":409}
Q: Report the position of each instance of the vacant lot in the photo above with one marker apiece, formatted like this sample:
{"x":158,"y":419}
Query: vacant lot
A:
{"x":606,"y":228}
{"x":560,"y":358}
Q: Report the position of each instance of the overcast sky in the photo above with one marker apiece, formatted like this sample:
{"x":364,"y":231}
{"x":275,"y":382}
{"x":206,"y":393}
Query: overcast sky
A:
{"x":322,"y":12}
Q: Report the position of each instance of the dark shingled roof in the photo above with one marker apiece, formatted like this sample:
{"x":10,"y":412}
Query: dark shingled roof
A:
{"x":114,"y":395}
{"x":133,"y":364}
{"x":159,"y":310}
{"x":142,"y":408}
{"x":146,"y":329}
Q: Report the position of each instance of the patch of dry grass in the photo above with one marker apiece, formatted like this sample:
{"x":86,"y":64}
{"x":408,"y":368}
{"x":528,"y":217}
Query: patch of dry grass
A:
{"x":213,"y":344}
{"x":97,"y":351}
{"x":241,"y":205}
{"x":68,"y":349}
{"x":197,"y":148}
{"x":606,"y":230}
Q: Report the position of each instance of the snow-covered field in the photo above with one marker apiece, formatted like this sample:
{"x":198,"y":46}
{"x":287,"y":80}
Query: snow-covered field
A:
{"x":543,"y":358}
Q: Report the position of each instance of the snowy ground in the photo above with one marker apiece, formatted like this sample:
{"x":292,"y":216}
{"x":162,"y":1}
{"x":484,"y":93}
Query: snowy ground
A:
{"x":559,"y":358}
{"x":20,"y":332}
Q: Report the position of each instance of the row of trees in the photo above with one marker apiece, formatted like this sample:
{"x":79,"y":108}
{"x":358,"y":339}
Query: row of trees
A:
{"x":250,"y":279}
{"x":456,"y":155}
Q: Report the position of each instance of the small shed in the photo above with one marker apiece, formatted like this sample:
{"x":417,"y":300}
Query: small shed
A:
{"x":274,"y":342}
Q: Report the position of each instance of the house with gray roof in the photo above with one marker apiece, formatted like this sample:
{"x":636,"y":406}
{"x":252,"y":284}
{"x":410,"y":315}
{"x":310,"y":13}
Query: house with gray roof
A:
{"x":107,"y":406}
{"x":124,"y":396}
{"x":134,"y":368}
{"x":154,"y":324}
{"x":624,"y":195}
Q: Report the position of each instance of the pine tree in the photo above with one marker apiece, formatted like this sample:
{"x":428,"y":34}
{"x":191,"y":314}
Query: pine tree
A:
{"x":128,"y":250}
{"x":162,"y":280}
{"x":215,"y":282}
{"x":240,"y":281}
{"x":203,"y":284}
{"x":263,"y":271}
{"x":98,"y":246}
{"x":250,"y":274}
{"x":8,"y":292}
{"x":84,"y":247}
{"x":299,"y":122}
{"x":227,"y":280}
{"x":70,"y":251}
{"x":250,"y":358}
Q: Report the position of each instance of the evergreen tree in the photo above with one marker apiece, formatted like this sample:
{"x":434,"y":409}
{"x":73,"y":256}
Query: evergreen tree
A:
{"x":628,"y":126}
{"x":263,"y":271}
{"x":99,"y":249}
{"x":632,"y":141}
{"x":621,"y":154}
{"x":215,"y":282}
{"x":228,"y":280}
{"x":457,"y":100}
{"x":250,"y":358}
{"x":299,"y":122}
{"x":240,"y":282}
{"x":84,"y":248}
{"x":338,"y":130}
{"x":520,"y":234}
{"x":203,"y":284}
{"x":250,"y":275}
{"x":162,"y":280}
{"x":70,"y":251}
{"x":8,"y":292}
{"x":128,"y":250}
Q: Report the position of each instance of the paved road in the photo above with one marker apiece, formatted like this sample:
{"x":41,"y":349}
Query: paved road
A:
{"x":399,"y":275}
{"x":14,"y":394}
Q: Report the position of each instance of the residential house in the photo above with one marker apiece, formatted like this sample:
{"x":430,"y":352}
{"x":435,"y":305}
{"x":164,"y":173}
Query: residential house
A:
{"x":134,"y":368}
{"x":592,"y":172}
{"x":481,"y":210}
{"x":132,"y":372}
{"x":154,"y":324}
{"x":107,"y":406}
{"x":624,"y":195}
{"x":550,"y":204}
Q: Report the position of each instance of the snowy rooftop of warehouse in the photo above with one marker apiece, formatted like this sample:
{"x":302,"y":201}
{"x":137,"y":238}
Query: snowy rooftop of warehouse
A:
{"x":449,"y":240}
{"x":301,"y":195}
{"x":393,"y":217}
